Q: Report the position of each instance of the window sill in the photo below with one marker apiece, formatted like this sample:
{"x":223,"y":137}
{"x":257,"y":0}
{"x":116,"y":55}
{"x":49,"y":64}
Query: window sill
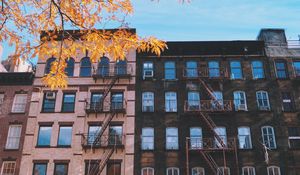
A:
{"x":63,"y":146}
{"x":46,"y":146}
{"x":147,"y":150}
{"x":8,"y":149}
{"x":17,"y":112}
{"x":147,"y":111}
{"x":171,"y":80}
{"x":171,"y":112}
{"x":47,"y":111}
{"x":172,"y":150}
{"x":67,"y":111}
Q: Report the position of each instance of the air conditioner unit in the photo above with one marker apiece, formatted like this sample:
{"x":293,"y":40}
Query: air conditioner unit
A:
{"x":50,"y":95}
{"x":264,"y":108}
{"x":148,"y":74}
{"x":241,"y":107}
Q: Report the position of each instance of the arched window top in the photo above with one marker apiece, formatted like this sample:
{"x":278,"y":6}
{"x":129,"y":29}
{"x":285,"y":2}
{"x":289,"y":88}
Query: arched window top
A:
{"x":85,"y":67}
{"x":48,"y":64}
{"x":122,"y":62}
{"x":70,"y":66}
{"x":148,"y":171}
{"x":273,"y":170}
{"x":85,"y":61}
{"x":104,"y":60}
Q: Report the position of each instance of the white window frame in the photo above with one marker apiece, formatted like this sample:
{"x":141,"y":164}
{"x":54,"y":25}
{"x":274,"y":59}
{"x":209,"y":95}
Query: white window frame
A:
{"x":15,"y":107}
{"x":274,"y":169}
{"x":148,"y":66}
{"x":196,"y":141}
{"x":264,"y":106}
{"x":13,"y":137}
{"x":147,"y":102}
{"x":151,"y":136}
{"x":293,"y":137}
{"x":238,"y":96}
{"x":149,"y":170}
{"x":239,"y":134}
{"x":171,"y":102}
{"x":199,"y":171}
{"x":223,"y":136}
{"x":221,"y":170}
{"x":7,"y":162}
{"x":193,"y":100}
{"x":173,"y":135}
{"x":246,"y":170}
{"x":173,"y":170}
{"x":268,"y":136}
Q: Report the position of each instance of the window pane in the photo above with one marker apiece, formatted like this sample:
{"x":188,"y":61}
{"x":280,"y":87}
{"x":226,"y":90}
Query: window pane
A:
{"x":93,"y":133}
{"x":8,"y":168}
{"x":44,"y":136}
{"x":147,"y":138}
{"x":221,"y":132}
{"x":257,"y":70}
{"x":13,"y":137}
{"x":114,"y":169}
{"x":239,"y":100}
{"x":213,"y":69}
{"x":117,"y":101}
{"x":65,"y":136}
{"x":49,"y":103}
{"x":68,"y":103}
{"x":48,"y":65}
{"x":19,"y":103}
{"x":236,"y":70}
{"x":85,"y":67}
{"x":191,"y":69}
{"x":172,"y":138}
{"x":244,"y":138}
{"x":268,"y":137}
{"x":170,"y":70}
{"x":70,"y":67}
{"x":281,"y":70}
{"x":170,"y":102}
{"x":40,"y":169}
{"x":115,"y":135}
{"x":61,"y":169}
{"x":148,"y":101}
{"x":296,"y":65}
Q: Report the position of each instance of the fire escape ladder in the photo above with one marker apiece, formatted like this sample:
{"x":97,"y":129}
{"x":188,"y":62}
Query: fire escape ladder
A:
{"x":211,"y":162}
{"x":105,"y":124}
{"x":105,"y":158}
{"x":110,"y":85}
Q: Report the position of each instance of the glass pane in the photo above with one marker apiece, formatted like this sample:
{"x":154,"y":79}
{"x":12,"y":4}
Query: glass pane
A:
{"x":44,"y":136}
{"x":40,"y":169}
{"x":65,"y":136}
{"x":61,"y":169}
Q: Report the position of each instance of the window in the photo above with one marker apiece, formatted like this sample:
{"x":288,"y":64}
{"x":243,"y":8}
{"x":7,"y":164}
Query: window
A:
{"x":244,"y":138}
{"x":8,"y":168}
{"x":191,"y":69}
{"x":40,"y":169}
{"x":268,"y":137}
{"x":96,"y":101}
{"x":121,"y":67}
{"x":263,"y":100}
{"x":196,"y":138}
{"x":93,"y":133}
{"x":49,"y":102}
{"x":217,"y":102}
{"x":248,"y":170}
{"x":147,"y":69}
{"x":48,"y":65}
{"x":19,"y":103}
{"x":193,"y":100}
{"x":172,"y":138}
{"x":115,"y":135}
{"x":113,"y":168}
{"x":147,"y":171}
{"x":287,"y":102}
{"x":240,"y":102}
{"x":198,"y":171}
{"x":13,"y":137}
{"x":91,"y":166}
{"x":103,"y":67}
{"x":65,"y":136}
{"x":70,"y":67}
{"x":257,"y":69}
{"x":147,"y":139}
{"x":68,"y":104}
{"x":170,"y":102}
{"x":85,"y":67}
{"x":61,"y":169}
{"x":117,"y":101}
{"x":281,"y":71}
{"x":148,"y":101}
{"x":221,"y":132}
{"x":294,"y":137}
{"x":236,"y":70}
{"x":296,"y":66}
{"x":172,"y":171}
{"x":213,"y":69}
{"x":223,"y":171}
{"x":44,"y":136}
{"x":1,"y":102}
{"x":170,"y":72}
{"x":273,"y":170}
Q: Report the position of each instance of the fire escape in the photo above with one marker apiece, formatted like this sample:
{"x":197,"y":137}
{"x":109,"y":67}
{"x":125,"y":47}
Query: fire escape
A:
{"x":215,"y":146}
{"x":110,"y":75}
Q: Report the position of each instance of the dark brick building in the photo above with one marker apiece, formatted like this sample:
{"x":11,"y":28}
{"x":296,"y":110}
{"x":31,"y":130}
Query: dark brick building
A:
{"x":219,"y":107}
{"x":15,"y":95}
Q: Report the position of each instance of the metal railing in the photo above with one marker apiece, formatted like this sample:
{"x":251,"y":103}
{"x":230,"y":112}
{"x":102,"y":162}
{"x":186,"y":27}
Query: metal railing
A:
{"x":210,"y":144}
{"x":105,"y":106}
{"x":205,"y":72}
{"x":208,"y":106}
{"x":87,"y":140}
{"x":113,"y":70}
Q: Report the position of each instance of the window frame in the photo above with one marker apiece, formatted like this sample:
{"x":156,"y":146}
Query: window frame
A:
{"x":214,"y":72}
{"x":147,"y":169}
{"x":146,"y":67}
{"x":91,"y":136}
{"x":148,"y":100}
{"x":43,"y":105}
{"x":81,"y":72}
{"x":152,"y":137}
{"x":8,"y":162}
{"x":194,"y":100}
{"x":103,"y":67}
{"x":117,"y":104}
{"x":248,"y":170}
{"x":263,"y":108}
{"x":60,"y":163}
{"x":287,"y":105}
{"x":223,"y":136}
{"x":173,"y":169}
{"x":198,"y":138}
{"x":39,"y":136}
{"x":293,"y":137}
{"x":273,"y":170}
{"x":15,"y":137}
{"x":40,"y":163}
{"x":48,"y":65}
{"x":240,"y":135}
{"x":167,"y":75}
{"x":268,"y":135}
{"x":239,"y":99}
{"x":191,"y":69}
{"x":174,"y":136}
{"x":223,"y":169}
{"x":239,"y":68}
{"x":296,"y":70}
{"x":58,"y":138}
{"x":115,"y":139}
{"x":283,"y":69}
{"x":63,"y":108}
{"x":23,"y":105}
{"x":70,"y":67}
{"x":198,"y":168}
{"x":258,"y":68}
{"x":169,"y":102}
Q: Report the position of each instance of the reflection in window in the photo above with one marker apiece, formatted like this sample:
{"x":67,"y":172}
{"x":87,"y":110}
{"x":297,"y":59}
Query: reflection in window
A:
{"x":257,"y":70}
{"x":236,"y":70}
{"x":191,"y":69}
{"x":61,"y":169}
{"x":48,"y":65}
{"x":268,"y":137}
{"x":85,"y":67}
{"x":147,"y":138}
{"x":65,"y":136}
{"x":70,"y":67}
{"x":281,"y":71}
{"x":171,"y":138}
{"x":68,"y":104}
{"x":196,"y":137}
{"x":244,"y":138}
{"x":170,"y":102}
{"x":44,"y":136}
{"x":213,"y":69}
{"x":103,"y":67}
{"x":170,"y":72}
{"x":115,"y":135}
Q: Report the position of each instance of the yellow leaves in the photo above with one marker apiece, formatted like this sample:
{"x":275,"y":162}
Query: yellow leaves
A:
{"x":153,"y":45}
{"x":57,"y":77}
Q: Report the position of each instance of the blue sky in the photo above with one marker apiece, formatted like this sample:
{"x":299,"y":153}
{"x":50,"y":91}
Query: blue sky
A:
{"x":212,"y":19}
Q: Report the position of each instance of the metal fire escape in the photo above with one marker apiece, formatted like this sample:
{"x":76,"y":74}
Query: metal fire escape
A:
{"x":111,"y":74}
{"x":209,"y":146}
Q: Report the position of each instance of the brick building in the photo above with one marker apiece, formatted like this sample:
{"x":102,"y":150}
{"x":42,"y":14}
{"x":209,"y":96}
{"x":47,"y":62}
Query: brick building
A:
{"x":219,"y":107}
{"x":15,"y":94}
{"x":87,"y":128}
